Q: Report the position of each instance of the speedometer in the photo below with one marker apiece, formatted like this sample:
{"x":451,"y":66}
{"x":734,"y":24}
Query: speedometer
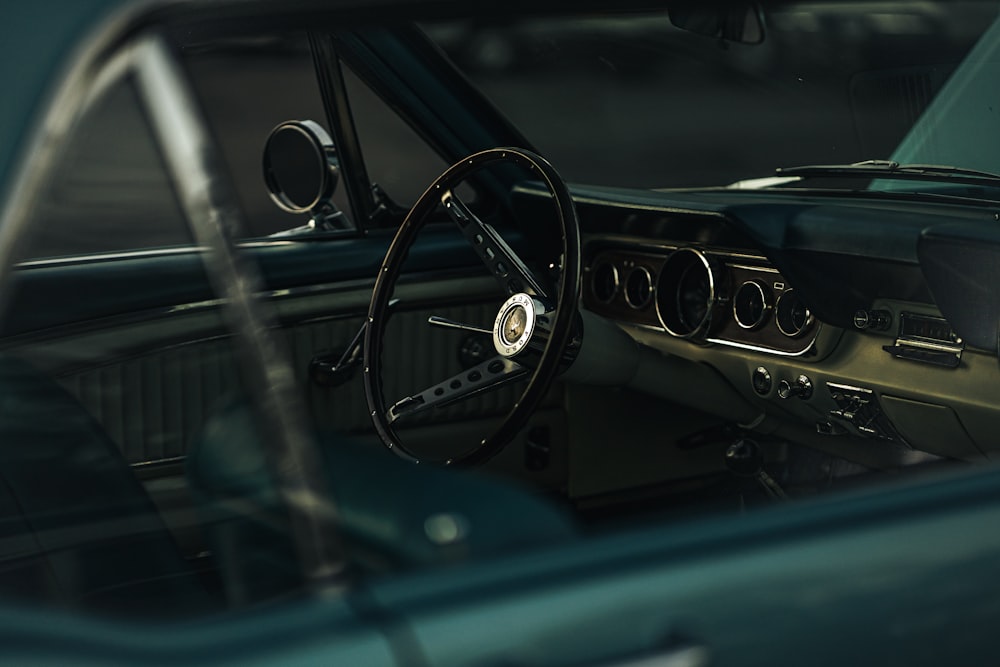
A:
{"x":686,"y":293}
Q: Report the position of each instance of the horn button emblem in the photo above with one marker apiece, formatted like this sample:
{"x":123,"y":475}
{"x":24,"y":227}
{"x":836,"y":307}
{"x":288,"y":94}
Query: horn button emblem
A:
{"x":514,"y":325}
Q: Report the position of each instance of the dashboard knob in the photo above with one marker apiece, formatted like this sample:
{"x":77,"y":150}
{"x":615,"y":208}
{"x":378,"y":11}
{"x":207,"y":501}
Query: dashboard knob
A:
{"x":801,"y":388}
{"x":874,"y":320}
{"x":761,"y":380}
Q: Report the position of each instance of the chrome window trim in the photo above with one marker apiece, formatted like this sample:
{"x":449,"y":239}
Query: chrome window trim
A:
{"x":97,"y":258}
{"x":279,"y":295}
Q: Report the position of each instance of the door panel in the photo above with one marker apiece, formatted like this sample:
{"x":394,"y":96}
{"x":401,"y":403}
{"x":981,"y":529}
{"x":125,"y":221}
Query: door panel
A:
{"x":152,"y":406}
{"x":152,"y":383}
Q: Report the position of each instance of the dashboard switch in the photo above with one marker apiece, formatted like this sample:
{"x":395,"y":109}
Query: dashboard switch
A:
{"x":872,"y":320}
{"x":859,"y":413}
{"x":802,"y":388}
{"x":762,"y":381}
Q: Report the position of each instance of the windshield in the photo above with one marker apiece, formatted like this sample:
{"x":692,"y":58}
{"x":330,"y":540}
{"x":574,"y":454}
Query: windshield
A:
{"x":636,"y":101}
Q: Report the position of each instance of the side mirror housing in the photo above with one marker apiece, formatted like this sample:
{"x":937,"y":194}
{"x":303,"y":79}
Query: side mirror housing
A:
{"x":301,"y":171}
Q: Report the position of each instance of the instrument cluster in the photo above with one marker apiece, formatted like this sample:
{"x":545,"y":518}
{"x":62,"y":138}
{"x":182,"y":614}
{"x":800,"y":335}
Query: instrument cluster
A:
{"x":707,"y":296}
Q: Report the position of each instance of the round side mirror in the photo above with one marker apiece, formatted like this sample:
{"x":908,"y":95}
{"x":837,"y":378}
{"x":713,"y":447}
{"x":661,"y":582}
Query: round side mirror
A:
{"x":300,"y":166}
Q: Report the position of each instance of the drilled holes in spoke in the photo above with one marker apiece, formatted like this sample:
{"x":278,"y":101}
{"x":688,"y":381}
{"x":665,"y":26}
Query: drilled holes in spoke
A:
{"x":501,"y":260}
{"x":483,"y":377}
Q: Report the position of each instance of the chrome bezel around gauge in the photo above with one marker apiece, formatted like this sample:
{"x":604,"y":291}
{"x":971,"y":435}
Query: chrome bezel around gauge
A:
{"x":645,"y":278}
{"x":782,"y":315}
{"x":748,"y":295}
{"x":596,"y":281}
{"x":670,"y":296}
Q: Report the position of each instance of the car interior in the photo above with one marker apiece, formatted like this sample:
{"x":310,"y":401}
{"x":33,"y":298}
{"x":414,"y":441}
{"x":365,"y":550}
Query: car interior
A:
{"x":689,"y":351}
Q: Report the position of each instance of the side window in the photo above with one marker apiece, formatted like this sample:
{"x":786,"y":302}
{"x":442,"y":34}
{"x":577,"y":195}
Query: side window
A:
{"x":111,"y":191}
{"x":247,"y":87}
{"x":397,"y":159}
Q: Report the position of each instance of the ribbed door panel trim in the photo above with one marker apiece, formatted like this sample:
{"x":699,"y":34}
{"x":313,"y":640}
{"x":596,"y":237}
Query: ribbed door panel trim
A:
{"x":153,"y":406}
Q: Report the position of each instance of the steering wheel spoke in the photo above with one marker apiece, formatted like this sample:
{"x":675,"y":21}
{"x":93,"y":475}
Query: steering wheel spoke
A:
{"x":479,"y":379}
{"x":445,"y":323}
{"x":503,"y":263}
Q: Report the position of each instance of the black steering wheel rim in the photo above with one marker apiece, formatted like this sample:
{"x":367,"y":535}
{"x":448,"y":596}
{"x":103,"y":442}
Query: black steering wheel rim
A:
{"x":563,"y":327}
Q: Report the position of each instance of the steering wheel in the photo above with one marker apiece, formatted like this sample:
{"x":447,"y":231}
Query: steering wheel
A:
{"x":535,"y":332}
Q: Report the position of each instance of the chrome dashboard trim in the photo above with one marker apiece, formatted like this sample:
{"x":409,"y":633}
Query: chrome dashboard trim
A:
{"x":742,"y":346}
{"x":748,"y":267}
{"x":645,"y":327}
{"x":757,"y":348}
{"x":742,"y":255}
{"x":927,"y":345}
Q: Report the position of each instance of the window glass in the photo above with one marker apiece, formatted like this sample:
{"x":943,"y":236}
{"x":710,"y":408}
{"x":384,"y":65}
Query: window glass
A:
{"x":110,"y":191}
{"x":397,"y":159}
{"x":247,"y":87}
{"x":830,"y":83}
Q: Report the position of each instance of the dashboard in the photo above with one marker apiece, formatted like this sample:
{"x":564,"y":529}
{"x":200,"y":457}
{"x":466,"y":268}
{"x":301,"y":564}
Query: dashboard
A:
{"x":812,"y":320}
{"x":889,"y":378}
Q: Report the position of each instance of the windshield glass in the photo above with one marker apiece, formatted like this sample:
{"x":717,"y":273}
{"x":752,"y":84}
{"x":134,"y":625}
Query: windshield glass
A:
{"x":633,"y":100}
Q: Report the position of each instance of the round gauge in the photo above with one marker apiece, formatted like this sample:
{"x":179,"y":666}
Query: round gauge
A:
{"x":685,"y":293}
{"x":605,"y":281}
{"x":751,"y":304}
{"x":791,"y":315}
{"x":694,"y":297}
{"x":638,"y":288}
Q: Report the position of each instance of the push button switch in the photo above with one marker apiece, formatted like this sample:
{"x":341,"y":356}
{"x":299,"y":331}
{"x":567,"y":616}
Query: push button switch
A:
{"x":761,"y":380}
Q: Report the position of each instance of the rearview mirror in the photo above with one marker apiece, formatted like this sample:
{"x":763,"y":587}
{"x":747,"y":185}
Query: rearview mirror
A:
{"x":741,"y":22}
